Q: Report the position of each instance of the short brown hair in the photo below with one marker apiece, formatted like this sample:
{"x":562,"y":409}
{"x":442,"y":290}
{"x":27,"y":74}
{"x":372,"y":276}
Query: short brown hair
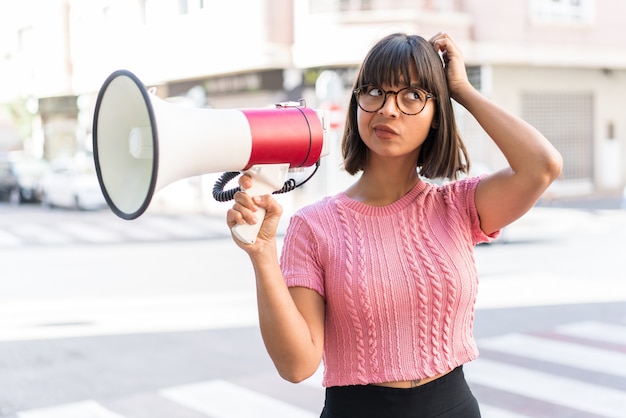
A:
{"x":443,"y":154}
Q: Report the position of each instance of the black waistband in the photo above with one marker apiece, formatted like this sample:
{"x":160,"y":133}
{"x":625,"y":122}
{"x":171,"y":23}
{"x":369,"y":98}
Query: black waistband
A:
{"x":429,"y":399}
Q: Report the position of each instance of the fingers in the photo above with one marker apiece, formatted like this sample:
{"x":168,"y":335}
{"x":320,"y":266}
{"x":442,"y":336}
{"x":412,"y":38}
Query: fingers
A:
{"x":243,"y":210}
{"x":438,"y":41}
{"x":441,"y":40}
{"x":445,"y":45}
{"x":245,"y":182}
{"x":244,"y":206}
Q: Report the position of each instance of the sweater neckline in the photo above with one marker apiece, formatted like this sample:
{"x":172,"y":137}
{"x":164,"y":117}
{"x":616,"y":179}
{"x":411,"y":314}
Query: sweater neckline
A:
{"x":394,"y":207}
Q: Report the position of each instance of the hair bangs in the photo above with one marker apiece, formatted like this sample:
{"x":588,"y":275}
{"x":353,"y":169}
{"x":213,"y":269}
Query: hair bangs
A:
{"x":405,"y":54}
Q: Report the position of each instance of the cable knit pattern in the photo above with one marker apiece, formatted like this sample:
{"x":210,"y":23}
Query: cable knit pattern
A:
{"x":399,"y":281}
{"x":422,"y":296}
{"x":441,"y":334}
{"x":349,"y":297}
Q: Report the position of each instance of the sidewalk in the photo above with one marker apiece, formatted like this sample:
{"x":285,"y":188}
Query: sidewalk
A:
{"x":556,"y":255}
{"x":595,"y":201}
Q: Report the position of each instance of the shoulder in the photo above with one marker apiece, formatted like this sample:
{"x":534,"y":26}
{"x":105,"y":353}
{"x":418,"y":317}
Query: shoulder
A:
{"x":459,"y":193}
{"x":318,"y":210}
{"x":461,"y":186}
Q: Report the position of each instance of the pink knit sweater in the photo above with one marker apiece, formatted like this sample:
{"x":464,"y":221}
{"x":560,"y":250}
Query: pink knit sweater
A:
{"x":399,"y":281}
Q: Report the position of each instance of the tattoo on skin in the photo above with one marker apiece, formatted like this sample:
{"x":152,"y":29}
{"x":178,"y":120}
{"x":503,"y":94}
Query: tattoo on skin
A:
{"x":415,"y":383}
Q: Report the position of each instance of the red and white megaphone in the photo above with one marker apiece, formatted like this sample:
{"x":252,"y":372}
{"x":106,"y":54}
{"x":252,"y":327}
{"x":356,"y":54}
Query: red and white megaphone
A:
{"x":142,"y":143}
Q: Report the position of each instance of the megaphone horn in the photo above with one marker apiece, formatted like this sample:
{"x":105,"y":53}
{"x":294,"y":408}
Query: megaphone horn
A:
{"x":142,"y":143}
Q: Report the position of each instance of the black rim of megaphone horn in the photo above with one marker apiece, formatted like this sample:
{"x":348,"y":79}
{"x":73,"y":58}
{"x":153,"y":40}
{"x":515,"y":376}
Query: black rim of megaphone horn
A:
{"x":155,"y":146}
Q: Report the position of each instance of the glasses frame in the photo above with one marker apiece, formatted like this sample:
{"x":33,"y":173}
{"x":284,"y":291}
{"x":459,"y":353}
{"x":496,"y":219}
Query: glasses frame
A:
{"x":361,"y":89}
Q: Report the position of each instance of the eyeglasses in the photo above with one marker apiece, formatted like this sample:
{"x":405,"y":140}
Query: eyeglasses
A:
{"x":409,"y":100}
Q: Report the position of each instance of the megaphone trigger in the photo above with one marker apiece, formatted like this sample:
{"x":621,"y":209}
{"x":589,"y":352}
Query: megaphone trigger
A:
{"x":267,"y":178}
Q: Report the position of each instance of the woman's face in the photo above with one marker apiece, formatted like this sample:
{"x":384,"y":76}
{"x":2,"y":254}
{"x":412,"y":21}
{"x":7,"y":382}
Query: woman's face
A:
{"x":390,"y":133}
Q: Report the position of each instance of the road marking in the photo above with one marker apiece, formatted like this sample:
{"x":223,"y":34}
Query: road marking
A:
{"x":35,"y":320}
{"x":543,"y":386}
{"x":41,"y":234}
{"x":599,"y":331}
{"x":86,"y":409}
{"x":89,"y":233}
{"x":132,"y":230}
{"x":177,"y":227}
{"x":517,"y":290}
{"x":559,"y":352}
{"x":221,"y":399}
{"x":111,"y":230}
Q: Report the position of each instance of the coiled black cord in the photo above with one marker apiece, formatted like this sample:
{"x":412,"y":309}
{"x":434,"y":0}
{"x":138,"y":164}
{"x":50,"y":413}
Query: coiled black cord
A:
{"x":222,"y":195}
{"x":218,"y":188}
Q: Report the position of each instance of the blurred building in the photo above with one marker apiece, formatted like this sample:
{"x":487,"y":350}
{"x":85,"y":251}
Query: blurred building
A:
{"x":556,"y":63}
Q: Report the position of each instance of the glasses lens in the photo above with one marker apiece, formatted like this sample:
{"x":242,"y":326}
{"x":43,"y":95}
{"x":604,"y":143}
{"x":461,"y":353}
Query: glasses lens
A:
{"x":411,"y":101}
{"x":371,"y":98}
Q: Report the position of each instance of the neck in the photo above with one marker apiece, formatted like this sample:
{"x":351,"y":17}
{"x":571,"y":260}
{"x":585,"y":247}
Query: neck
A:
{"x":383,"y":187}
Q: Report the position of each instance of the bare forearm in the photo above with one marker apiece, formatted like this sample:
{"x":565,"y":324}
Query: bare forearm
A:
{"x":285,"y":332}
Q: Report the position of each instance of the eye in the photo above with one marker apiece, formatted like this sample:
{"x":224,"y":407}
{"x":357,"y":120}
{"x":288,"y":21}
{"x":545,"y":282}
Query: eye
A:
{"x":415,"y":95}
{"x":374,"y":91}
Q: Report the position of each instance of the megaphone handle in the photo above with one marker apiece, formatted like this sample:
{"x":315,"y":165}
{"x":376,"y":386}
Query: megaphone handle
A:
{"x":266,"y":180}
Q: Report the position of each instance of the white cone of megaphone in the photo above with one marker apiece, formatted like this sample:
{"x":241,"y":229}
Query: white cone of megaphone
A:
{"x":142,"y":143}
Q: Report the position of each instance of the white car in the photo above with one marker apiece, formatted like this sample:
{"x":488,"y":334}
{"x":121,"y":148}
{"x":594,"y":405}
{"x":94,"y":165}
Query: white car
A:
{"x":72,"y":184}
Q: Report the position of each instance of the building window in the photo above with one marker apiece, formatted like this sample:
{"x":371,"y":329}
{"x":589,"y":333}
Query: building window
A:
{"x":190,"y":6}
{"x":350,"y":5}
{"x":474,"y":74}
{"x":562,"y":11}
{"x":566,"y":119}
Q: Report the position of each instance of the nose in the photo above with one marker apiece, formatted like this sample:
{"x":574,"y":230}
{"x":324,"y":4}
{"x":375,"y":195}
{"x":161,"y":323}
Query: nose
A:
{"x":390,"y":105}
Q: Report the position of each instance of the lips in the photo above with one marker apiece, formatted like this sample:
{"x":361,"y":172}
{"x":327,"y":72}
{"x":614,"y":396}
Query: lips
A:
{"x":384,"y":131}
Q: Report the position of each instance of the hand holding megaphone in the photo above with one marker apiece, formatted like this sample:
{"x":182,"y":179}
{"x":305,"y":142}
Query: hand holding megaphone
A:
{"x":261,"y":210}
{"x":142,"y":143}
{"x":266,"y":180}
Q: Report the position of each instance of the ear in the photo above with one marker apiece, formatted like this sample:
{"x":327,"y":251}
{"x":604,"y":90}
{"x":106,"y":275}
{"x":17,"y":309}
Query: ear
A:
{"x":435,"y":123}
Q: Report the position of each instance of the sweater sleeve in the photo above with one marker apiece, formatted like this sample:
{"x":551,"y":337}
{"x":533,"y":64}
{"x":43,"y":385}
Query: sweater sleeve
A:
{"x":465,"y":192}
{"x":299,"y":258}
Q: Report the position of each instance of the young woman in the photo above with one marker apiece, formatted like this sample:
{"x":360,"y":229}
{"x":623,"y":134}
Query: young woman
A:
{"x":379,"y":281}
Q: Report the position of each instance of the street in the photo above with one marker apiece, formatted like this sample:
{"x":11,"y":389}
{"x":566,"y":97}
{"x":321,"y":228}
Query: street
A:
{"x":106,"y":318}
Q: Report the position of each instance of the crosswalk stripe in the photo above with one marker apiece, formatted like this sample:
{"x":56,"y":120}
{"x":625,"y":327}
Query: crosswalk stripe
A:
{"x":132,"y":230}
{"x":175,"y":227}
{"x":86,"y":409}
{"x":40,"y":233}
{"x":107,"y":230}
{"x":487,"y":411}
{"x":550,"y":388}
{"x":221,"y":399}
{"x":89,"y":233}
{"x":21,"y":321}
{"x":599,"y":331}
{"x":578,"y":356}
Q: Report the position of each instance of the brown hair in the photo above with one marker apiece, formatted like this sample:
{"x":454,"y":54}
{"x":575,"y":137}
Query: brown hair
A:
{"x":443,"y":154}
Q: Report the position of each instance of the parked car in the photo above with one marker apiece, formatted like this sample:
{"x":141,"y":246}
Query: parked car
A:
{"x":20,"y":176}
{"x":72,"y":184}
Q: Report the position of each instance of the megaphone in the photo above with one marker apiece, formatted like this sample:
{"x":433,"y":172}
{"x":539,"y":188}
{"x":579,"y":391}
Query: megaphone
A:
{"x":142,"y":143}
